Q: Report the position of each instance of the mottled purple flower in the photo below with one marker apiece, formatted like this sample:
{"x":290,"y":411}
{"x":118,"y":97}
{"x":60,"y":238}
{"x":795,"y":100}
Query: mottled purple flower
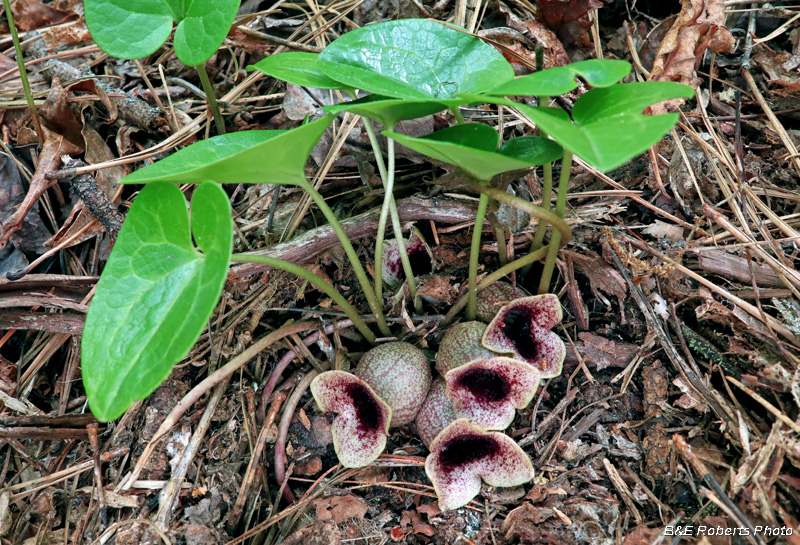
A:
{"x":463,"y":455}
{"x":522,"y":328}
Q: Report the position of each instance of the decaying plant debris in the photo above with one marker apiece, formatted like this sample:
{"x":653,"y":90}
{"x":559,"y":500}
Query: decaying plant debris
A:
{"x":680,"y":396}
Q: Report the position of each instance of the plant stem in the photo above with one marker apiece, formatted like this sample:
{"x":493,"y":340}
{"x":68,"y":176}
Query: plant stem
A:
{"x":211,"y":98}
{"x":547,"y":195}
{"x":502,"y":248}
{"x":528,"y":207}
{"x":561,"y":205}
{"x":404,"y":259}
{"x":474,"y":253}
{"x":491,"y":278}
{"x":541,"y":228}
{"x":388,"y":187}
{"x":387,"y":177}
{"x":315,"y":281}
{"x":23,"y":72}
{"x":366,"y":285}
{"x":457,"y":112}
{"x":547,"y":191}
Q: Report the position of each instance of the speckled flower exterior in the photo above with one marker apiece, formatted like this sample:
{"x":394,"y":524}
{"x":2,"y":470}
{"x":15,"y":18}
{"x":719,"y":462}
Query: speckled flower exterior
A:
{"x":522,"y":329}
{"x":463,"y":455}
{"x":436,"y":413}
{"x":492,"y":298}
{"x":362,"y":419}
{"x":488,"y":392}
{"x":400,"y":374}
{"x":419,"y":254}
{"x":462,"y":344}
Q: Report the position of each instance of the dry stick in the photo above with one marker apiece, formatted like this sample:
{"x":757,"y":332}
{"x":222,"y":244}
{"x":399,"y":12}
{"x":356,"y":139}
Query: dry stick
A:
{"x":790,"y":277}
{"x":283,"y":432}
{"x":114,"y":527}
{"x":64,"y":474}
{"x":744,"y":305}
{"x":794,"y":156}
{"x":172,"y":489}
{"x":255,"y":459}
{"x":304,"y":247}
{"x":212,"y":380}
{"x":766,"y":404}
{"x":169,"y":143}
{"x":726,"y":504}
{"x":132,"y":109}
{"x":98,"y":471}
{"x":675,"y":358}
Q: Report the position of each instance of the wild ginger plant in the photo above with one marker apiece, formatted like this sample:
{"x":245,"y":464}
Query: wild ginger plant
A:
{"x":158,"y":290}
{"x":132,"y":29}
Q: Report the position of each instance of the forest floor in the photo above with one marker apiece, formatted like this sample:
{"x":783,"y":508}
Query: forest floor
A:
{"x":678,"y":404}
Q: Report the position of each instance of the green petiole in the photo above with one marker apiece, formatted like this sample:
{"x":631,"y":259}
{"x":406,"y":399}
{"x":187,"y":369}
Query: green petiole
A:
{"x":315,"y":281}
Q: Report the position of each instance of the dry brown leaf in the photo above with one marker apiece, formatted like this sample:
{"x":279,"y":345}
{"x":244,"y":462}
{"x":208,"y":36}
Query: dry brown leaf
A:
{"x":340,"y":509}
{"x":519,"y":520}
{"x":554,"y":53}
{"x":700,"y":26}
{"x":64,"y":35}
{"x":57,"y":115}
{"x":49,"y":160}
{"x":33,"y":14}
{"x":605,"y":352}
{"x":33,"y":234}
{"x":602,"y":276}
{"x":664,"y":231}
{"x":568,"y":19}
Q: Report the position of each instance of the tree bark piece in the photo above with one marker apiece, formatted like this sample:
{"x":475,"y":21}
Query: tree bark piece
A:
{"x":316,"y":241}
{"x":131,"y":109}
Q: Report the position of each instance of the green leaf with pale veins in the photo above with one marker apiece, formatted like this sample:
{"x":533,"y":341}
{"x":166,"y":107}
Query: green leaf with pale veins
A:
{"x":608,"y":127}
{"x":276,"y":157}
{"x":298,"y":68}
{"x":563,"y":79}
{"x":414,"y":58}
{"x":132,"y":29}
{"x":473,"y":148}
{"x":156,"y":294}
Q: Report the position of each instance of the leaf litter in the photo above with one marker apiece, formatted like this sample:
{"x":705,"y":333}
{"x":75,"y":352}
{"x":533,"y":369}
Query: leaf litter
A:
{"x":683,"y":416}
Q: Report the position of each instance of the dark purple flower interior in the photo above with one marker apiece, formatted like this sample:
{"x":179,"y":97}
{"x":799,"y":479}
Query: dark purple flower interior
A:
{"x":466,"y":448}
{"x":517,"y":327}
{"x":486,"y":385}
{"x":368,"y":411}
{"x":420,"y":259}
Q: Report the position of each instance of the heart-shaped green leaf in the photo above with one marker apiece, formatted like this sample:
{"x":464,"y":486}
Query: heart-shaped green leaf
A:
{"x":562,"y":79}
{"x":276,"y":157}
{"x":131,"y":29}
{"x":609,"y":127}
{"x":390,"y":111}
{"x":414,"y":58}
{"x":472,"y":147}
{"x":155,"y":295}
{"x":297,"y":67}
